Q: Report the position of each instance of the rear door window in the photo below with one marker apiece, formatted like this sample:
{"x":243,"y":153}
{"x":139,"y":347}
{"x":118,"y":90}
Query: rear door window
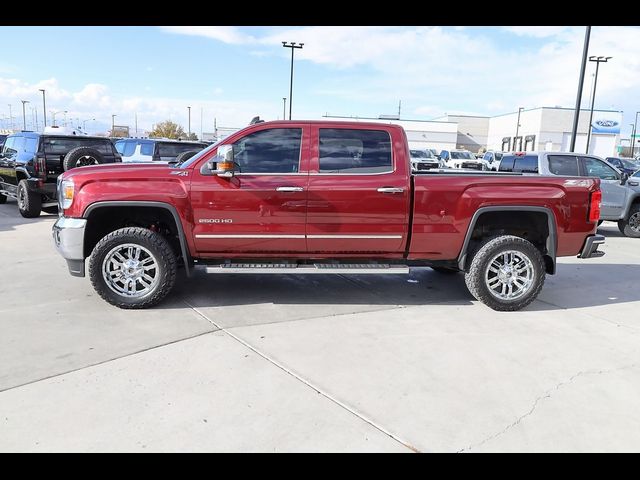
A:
{"x":565,"y":165}
{"x":31,"y":145}
{"x":62,"y":145}
{"x":129,"y":148}
{"x":345,"y":150}
{"x":146,"y":148}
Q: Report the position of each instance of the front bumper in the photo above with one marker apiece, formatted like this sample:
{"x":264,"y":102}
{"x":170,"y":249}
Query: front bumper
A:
{"x":591,"y":244}
{"x":68,"y":237}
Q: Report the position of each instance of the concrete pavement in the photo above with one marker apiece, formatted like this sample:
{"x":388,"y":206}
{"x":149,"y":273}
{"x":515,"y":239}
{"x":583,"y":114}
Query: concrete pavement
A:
{"x":317,"y":363}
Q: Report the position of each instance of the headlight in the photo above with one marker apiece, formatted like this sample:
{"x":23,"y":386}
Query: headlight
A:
{"x":67,"y":190}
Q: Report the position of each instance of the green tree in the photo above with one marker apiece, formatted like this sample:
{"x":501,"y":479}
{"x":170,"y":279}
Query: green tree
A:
{"x":167,"y":129}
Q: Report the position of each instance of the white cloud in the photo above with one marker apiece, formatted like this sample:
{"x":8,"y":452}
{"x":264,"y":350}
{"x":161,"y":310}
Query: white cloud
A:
{"x":94,"y":100}
{"x":224,"y":34}
{"x":538,"y":32}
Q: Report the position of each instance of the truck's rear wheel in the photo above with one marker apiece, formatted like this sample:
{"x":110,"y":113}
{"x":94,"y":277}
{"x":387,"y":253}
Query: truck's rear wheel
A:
{"x":506,"y":273}
{"x":29,"y":202}
{"x":631,"y":226}
{"x":133,"y":268}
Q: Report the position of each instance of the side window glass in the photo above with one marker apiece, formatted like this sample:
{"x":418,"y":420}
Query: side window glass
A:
{"x":31,"y":145}
{"x":120,"y":147}
{"x":345,"y":150}
{"x":8,"y":146}
{"x":506,"y":165}
{"x":565,"y":165}
{"x":146,"y":148}
{"x":276,"y":150}
{"x":595,"y":168}
{"x":129,"y":148}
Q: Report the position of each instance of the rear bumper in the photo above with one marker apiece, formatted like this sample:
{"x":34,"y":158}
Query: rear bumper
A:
{"x":590,"y":248}
{"x":68,"y":237}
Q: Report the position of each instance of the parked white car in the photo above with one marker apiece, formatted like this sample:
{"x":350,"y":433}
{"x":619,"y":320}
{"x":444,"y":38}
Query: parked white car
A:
{"x":461,"y":159}
{"x":143,"y":150}
{"x":424,"y":160}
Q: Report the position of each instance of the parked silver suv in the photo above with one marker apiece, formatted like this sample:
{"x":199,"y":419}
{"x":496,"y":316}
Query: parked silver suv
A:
{"x":620,"y":193}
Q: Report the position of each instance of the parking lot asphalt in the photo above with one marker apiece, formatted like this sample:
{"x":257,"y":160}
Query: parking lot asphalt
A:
{"x":317,"y":363}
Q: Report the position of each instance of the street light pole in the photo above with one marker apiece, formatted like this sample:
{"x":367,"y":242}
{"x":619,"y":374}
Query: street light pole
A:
{"x":44,"y":106}
{"x":113,"y":123}
{"x":84,"y":123}
{"x":189,"y":134}
{"x":517,"y":130}
{"x":292,"y":46}
{"x":576,"y":114}
{"x":284,"y":108}
{"x":633,"y":139}
{"x":598,"y":60}
{"x":24,"y":115}
{"x":10,"y":118}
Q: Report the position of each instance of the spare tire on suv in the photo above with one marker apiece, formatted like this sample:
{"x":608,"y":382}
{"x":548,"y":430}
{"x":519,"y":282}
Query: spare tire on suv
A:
{"x":184,"y":156}
{"x":81,"y":157}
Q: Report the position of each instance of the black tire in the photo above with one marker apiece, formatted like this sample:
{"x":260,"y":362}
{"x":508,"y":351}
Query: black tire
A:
{"x":630,"y":227}
{"x":481,"y":262}
{"x":184,"y":156}
{"x":3,"y":199}
{"x":29,"y":202}
{"x":163,"y":256}
{"x":445,"y":270}
{"x":81,"y":157}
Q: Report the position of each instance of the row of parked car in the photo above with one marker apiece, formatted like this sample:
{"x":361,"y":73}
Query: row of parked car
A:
{"x":619,"y":177}
{"x":30,"y":162}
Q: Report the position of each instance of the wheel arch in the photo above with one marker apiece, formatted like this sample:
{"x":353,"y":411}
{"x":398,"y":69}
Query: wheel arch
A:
{"x":551,"y":240}
{"x":170,"y":209}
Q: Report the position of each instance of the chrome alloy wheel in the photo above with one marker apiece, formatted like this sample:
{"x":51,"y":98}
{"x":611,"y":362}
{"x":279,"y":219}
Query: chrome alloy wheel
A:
{"x":634,"y":222}
{"x":510,"y":275}
{"x":22,"y":198}
{"x":130,"y":270}
{"x":86,"y":160}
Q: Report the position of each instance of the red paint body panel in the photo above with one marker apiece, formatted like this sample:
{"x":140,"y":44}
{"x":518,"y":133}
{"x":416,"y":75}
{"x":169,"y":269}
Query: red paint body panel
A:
{"x":331,"y":205}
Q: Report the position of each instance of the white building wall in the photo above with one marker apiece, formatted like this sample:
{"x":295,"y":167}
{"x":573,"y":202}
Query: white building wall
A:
{"x":552,"y":128}
{"x":472,"y":130}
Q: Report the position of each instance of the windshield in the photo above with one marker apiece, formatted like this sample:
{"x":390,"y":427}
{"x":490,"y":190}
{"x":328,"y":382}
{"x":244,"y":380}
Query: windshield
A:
{"x":463,"y":156}
{"x":421,"y":154}
{"x":198,"y":155}
{"x":630,"y":164}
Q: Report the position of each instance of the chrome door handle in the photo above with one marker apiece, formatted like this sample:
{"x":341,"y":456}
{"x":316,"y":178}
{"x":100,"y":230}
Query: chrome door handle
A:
{"x":289,"y":189}
{"x":390,"y":190}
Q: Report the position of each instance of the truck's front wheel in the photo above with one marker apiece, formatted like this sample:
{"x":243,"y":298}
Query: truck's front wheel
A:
{"x":133,"y":268}
{"x":506,"y":273}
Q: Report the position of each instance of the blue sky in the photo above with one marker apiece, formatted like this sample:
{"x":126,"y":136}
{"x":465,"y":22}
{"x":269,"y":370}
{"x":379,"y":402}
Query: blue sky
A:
{"x":235,"y":73}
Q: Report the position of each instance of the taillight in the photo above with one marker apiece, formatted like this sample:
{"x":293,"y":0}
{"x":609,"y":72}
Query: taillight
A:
{"x":594,"y":206}
{"x":40,"y":167}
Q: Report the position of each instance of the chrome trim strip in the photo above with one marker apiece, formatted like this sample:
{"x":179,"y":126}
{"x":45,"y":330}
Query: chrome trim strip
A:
{"x":400,"y":269}
{"x":249,"y":236}
{"x":363,"y":237}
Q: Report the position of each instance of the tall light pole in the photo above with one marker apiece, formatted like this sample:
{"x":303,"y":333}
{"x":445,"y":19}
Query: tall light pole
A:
{"x":517,"y":130}
{"x":633,"y":139}
{"x":292,"y":46}
{"x":10,"y":118}
{"x":598,"y":61}
{"x":84,"y":123}
{"x":284,"y":108}
{"x":113,"y":123}
{"x":576,"y":114}
{"x":44,"y":106}
{"x":24,"y":115}
{"x":189,"y":134}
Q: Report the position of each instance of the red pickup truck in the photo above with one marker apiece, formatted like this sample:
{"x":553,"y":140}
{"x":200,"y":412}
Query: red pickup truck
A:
{"x":319,"y":197}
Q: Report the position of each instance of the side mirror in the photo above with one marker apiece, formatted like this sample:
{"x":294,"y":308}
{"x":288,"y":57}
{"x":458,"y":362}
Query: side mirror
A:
{"x":222,"y":164}
{"x":624,"y":178}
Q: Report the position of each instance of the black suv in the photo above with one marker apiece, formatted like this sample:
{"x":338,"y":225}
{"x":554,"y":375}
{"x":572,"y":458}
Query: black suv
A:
{"x":31,"y":162}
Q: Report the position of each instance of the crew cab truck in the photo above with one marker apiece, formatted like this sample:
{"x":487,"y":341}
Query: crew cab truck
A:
{"x":319,"y":197}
